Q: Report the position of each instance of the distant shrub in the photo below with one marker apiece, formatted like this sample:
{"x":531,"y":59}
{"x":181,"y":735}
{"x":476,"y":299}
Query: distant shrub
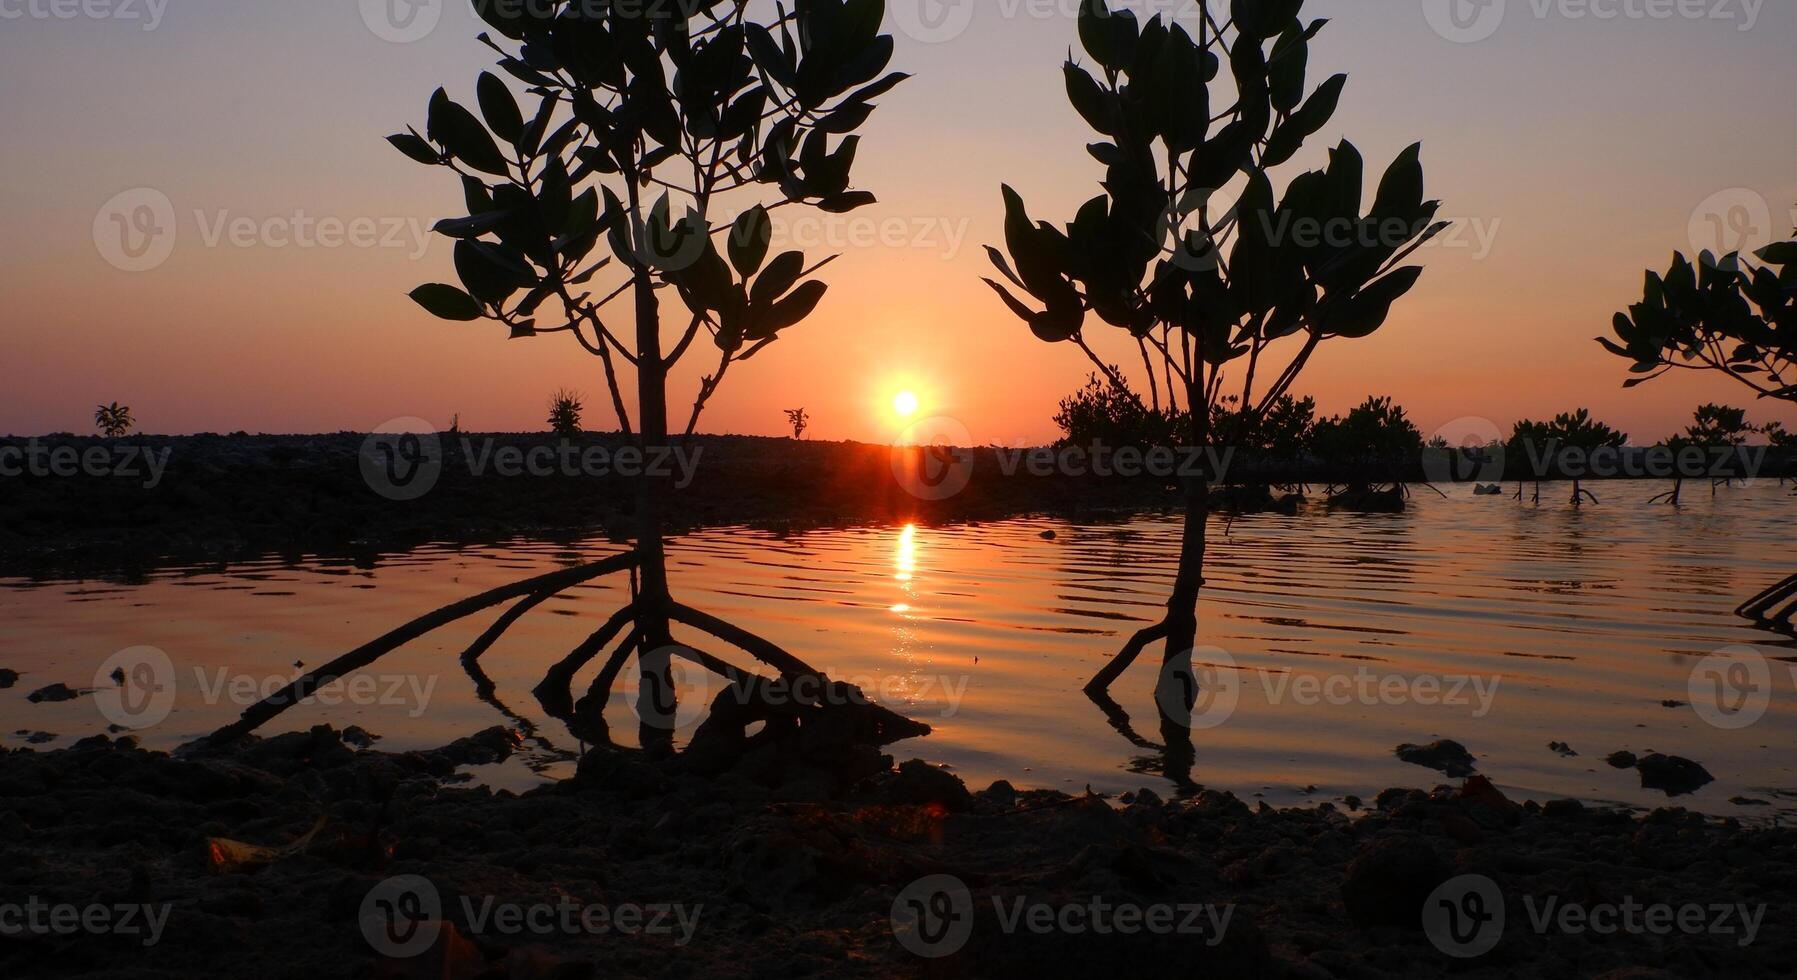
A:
{"x":1109,"y":413}
{"x":799,"y":421}
{"x":564,"y":413}
{"x":114,"y":420}
{"x":1377,"y":429}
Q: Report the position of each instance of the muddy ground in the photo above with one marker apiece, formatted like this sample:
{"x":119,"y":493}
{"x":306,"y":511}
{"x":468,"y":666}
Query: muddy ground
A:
{"x":781,"y":868}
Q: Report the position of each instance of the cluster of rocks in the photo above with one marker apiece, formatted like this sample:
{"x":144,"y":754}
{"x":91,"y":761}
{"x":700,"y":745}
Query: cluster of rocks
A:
{"x":794,"y":874}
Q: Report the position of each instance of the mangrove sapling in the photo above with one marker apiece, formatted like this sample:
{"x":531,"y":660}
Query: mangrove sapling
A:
{"x":1580,"y":433}
{"x":1211,"y":294}
{"x":1735,"y":315}
{"x":641,"y":123}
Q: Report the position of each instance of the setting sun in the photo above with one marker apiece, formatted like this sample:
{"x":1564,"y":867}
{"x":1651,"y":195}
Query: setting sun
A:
{"x":906,"y":404}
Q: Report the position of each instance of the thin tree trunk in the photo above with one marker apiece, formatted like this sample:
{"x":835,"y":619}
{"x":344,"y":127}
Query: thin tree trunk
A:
{"x":653,"y":599}
{"x":1188,"y":582}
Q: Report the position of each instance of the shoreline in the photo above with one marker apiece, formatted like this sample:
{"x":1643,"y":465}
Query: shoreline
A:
{"x":788,"y":866}
{"x":145,"y":500}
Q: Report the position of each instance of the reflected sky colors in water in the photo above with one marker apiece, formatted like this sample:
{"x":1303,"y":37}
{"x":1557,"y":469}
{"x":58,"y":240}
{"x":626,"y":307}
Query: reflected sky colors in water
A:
{"x":1501,"y":625}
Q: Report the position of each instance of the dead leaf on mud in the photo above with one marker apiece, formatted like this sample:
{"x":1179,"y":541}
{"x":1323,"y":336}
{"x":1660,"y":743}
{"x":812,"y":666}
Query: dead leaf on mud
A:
{"x":225,"y":856}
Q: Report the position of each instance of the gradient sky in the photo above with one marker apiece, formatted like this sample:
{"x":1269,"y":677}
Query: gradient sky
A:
{"x":1582,"y":146}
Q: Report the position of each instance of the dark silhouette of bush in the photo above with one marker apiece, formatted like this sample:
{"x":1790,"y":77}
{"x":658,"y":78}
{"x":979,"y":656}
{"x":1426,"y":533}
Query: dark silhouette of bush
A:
{"x":608,"y":182}
{"x":1211,"y":294}
{"x":564,"y":413}
{"x":1734,"y":314}
{"x":114,"y":420}
{"x":1376,"y":431}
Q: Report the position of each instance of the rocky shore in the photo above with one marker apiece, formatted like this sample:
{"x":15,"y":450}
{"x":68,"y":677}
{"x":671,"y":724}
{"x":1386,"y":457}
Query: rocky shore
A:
{"x":302,"y":855}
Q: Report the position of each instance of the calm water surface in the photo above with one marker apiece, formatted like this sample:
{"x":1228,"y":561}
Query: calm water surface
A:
{"x":1502,"y":625}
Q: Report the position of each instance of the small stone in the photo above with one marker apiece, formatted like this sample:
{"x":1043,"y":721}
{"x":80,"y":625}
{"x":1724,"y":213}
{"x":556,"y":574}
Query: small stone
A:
{"x":1621,"y":760}
{"x":1563,"y":809}
{"x":1446,"y":756}
{"x":53,"y":693}
{"x":1001,"y":793}
{"x":918,"y":783}
{"x":8,"y":678}
{"x":1563,"y":749}
{"x":1673,"y":775}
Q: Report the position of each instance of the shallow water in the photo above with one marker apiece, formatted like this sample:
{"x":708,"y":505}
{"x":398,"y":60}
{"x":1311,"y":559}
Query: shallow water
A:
{"x":1502,"y":625}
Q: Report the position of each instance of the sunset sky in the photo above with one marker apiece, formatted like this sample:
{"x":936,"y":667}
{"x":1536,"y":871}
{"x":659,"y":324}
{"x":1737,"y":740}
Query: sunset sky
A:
{"x":1573,"y":150}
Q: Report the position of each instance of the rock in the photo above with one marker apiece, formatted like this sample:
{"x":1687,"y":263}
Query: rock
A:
{"x":1049,"y":535}
{"x":53,"y":693}
{"x":1393,"y":798}
{"x":1390,"y":879}
{"x":495,"y":744}
{"x":919,"y":784}
{"x":8,"y":678}
{"x":1444,"y":756}
{"x":1672,"y":774}
{"x":1670,"y":703}
{"x":1353,"y":802}
{"x":359,"y":737}
{"x":1147,"y":797}
{"x":1487,"y":805}
{"x":1563,"y":809}
{"x":1747,"y":801}
{"x":1459,"y":827}
{"x":1563,"y":749}
{"x":1621,"y":760}
{"x":1001,"y":793}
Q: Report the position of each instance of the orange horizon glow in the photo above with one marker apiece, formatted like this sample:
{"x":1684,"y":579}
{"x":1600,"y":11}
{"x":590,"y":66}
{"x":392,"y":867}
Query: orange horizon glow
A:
{"x":1533,"y":139}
